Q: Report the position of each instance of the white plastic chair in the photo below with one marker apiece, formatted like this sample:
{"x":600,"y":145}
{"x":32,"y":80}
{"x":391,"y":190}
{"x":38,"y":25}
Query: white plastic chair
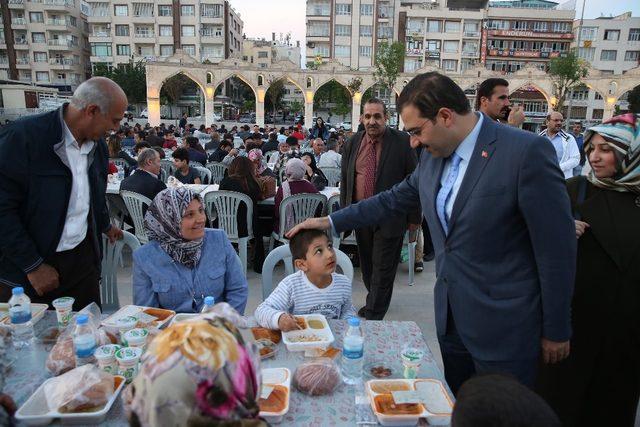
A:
{"x":121,"y":163}
{"x":283,"y":253}
{"x":205,"y":174}
{"x":303,"y":206}
{"x":269,"y":154}
{"x":333,"y":175}
{"x":217,"y":172}
{"x":135,"y":203}
{"x":224,"y":205}
{"x":330,"y":209}
{"x":167,"y":167}
{"x":111,"y":254}
{"x":411,"y":249}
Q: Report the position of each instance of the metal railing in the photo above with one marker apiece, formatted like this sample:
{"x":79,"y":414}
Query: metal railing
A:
{"x":68,"y":3}
{"x":18,"y":21}
{"x":63,"y":61}
{"x":61,"y":42}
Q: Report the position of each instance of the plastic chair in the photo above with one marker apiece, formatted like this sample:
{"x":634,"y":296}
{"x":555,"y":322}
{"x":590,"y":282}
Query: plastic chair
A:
{"x":224,"y":205}
{"x":117,"y":209}
{"x":333,"y":175}
{"x":205,"y":174}
{"x":167,"y":167}
{"x":283,"y":253}
{"x":111,"y":254}
{"x":411,"y":249}
{"x":303,"y":205}
{"x":331,"y":208}
{"x":135,"y":203}
{"x":269,"y":154}
{"x":217,"y":172}
{"x":120,"y":163}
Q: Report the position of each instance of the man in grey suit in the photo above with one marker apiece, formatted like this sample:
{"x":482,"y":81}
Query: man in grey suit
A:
{"x":497,"y":207}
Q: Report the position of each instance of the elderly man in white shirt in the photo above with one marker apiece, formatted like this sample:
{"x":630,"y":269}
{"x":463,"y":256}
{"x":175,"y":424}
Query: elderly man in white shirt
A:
{"x":331,"y":158}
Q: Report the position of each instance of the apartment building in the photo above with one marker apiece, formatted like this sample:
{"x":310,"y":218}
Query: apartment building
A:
{"x":521,"y":32}
{"x":44,"y":42}
{"x":439,"y":36}
{"x":208,"y":30}
{"x":347,"y":30}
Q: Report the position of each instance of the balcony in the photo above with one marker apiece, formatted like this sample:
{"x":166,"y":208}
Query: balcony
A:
{"x":61,"y":43}
{"x":59,"y":5}
{"x":415,"y":32}
{"x":63,"y":63}
{"x":58,"y":23}
{"x":23,"y":60}
{"x":470,"y":53}
{"x":144,"y":35}
{"x":414,"y":51}
{"x":16,"y":4}
{"x":18,"y":21}
{"x":474,"y":34}
{"x":100,"y":34}
{"x":4,"y":60}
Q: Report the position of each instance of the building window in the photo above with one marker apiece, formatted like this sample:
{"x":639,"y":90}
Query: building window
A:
{"x":318,"y":8}
{"x":100,"y":49}
{"x":539,"y":26}
{"x":166,"y":49}
{"x":343,"y":9}
{"x":121,"y":10}
{"x":263,"y":65}
{"x":586,"y":53}
{"x":39,"y":56}
{"x":38,"y":38}
{"x":597,"y":96}
{"x":589,"y":33}
{"x":613,"y":35}
{"x":342,"y":51}
{"x":37,"y":17}
{"x":433,"y":47}
{"x":42,"y":76}
{"x":366,"y":30}
{"x":145,"y":31}
{"x":365,"y":50}
{"x":166,"y":30}
{"x":634,"y":34}
{"x":263,"y":54}
{"x":632,"y":55}
{"x":452,"y":27}
{"x":561,"y":27}
{"x":165,"y":10}
{"x":211,"y":10}
{"x":321,"y":50}
{"x":366,"y":9}
{"x":385,"y":31}
{"x":343,"y":30}
{"x":451,"y":46}
{"x":498,"y":25}
{"x":122,"y":30}
{"x":519,"y":25}
{"x":434,"y":26}
{"x":187,"y":10}
{"x":189,"y":48}
{"x":450,"y":64}
{"x":608,"y":55}
{"x":597,"y":114}
{"x":471,"y":29}
{"x":188,"y":31}
{"x":123,"y":49}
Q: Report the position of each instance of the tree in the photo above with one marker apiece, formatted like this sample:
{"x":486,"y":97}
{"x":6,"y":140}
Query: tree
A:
{"x":567,"y":73}
{"x":131,"y":77}
{"x":634,"y":100}
{"x":296,"y":106}
{"x":333,"y":93}
{"x":249,"y":105}
{"x":273,"y":98}
{"x":388,"y":63}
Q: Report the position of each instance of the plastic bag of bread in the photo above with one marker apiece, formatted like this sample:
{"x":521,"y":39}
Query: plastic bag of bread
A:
{"x":79,"y":390}
{"x":317,"y":377}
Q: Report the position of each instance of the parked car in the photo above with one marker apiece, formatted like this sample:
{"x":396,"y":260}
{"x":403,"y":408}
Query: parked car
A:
{"x":346,"y":125}
{"x":144,"y":114}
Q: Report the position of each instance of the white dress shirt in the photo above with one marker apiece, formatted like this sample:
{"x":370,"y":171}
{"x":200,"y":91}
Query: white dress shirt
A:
{"x":464,"y":150}
{"x":75,"y":224}
{"x":330,"y":159}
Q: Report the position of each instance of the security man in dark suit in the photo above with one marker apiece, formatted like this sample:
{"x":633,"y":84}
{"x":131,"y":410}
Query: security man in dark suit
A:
{"x":145,"y":179}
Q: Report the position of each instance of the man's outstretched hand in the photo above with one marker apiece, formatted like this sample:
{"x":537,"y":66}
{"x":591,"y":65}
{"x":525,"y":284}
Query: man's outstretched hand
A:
{"x":310,"y":224}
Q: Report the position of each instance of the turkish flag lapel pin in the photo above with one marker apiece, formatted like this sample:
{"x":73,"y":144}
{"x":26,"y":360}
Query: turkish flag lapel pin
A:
{"x":485,"y":154}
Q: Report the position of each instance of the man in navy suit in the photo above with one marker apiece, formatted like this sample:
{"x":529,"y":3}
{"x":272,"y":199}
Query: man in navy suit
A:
{"x":498,"y":210}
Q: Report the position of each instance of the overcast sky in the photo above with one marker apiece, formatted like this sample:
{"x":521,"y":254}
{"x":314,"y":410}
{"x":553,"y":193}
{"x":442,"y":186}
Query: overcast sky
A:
{"x":262,"y":17}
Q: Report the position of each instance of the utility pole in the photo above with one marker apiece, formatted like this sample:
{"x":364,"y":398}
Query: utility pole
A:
{"x":566,"y":122}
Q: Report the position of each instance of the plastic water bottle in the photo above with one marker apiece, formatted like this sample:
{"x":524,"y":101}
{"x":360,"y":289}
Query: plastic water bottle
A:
{"x":84,"y":340}
{"x":208,"y":304}
{"x":353,"y":352}
{"x":120,"y":173}
{"x":20,"y":314}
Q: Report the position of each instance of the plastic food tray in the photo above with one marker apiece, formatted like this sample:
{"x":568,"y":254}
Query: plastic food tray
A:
{"x":434,"y":418}
{"x":277,"y":376}
{"x":132,"y":310}
{"x":325,"y":335}
{"x":35,"y":412}
{"x":182,"y":317}
{"x":37,"y":312}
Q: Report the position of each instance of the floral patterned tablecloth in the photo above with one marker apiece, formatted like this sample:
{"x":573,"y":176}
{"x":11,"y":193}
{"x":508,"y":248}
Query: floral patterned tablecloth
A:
{"x":383,"y":343}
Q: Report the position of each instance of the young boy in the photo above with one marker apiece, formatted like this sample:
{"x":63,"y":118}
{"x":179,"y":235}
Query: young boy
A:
{"x":315,"y":288}
{"x":185,"y":173}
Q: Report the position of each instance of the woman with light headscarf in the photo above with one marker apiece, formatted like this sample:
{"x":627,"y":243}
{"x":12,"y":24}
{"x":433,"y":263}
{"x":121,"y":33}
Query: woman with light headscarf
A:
{"x":294,"y":184}
{"x":599,"y":383}
{"x":184,"y":262}
{"x":197,"y":373}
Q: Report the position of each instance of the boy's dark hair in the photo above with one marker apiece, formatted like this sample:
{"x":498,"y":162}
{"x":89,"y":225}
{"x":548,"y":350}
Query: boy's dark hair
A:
{"x":500,"y":401}
{"x":486,"y":88}
{"x":292,"y":140}
{"x":299,"y":244}
{"x":181,"y":154}
{"x":429,"y":92}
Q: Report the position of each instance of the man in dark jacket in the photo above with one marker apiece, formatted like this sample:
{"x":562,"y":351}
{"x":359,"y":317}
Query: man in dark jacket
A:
{"x":53,"y":179}
{"x":145,"y":179}
{"x":221,"y":152}
{"x":153,"y":139}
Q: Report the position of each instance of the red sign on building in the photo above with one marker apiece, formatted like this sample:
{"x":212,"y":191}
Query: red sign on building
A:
{"x":530,"y":34}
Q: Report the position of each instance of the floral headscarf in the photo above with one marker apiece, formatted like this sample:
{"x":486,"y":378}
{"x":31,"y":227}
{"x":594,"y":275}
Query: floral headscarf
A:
{"x":255,"y":155}
{"x":623,"y":135}
{"x":197,"y":373}
{"x":162,"y":223}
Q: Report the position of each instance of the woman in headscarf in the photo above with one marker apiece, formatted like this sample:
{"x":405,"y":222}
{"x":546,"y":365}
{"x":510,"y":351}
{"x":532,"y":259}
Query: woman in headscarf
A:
{"x":184,"y":262}
{"x":197,"y":373}
{"x":599,"y":383}
{"x":294,"y":184}
{"x":257,"y":158}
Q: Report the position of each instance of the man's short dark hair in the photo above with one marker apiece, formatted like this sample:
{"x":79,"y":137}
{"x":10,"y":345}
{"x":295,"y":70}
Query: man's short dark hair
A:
{"x":299,"y":244}
{"x":292,"y":140}
{"x":377,"y":101}
{"x":486,"y":88}
{"x":181,"y":154}
{"x":429,"y":92}
{"x":500,"y":401}
{"x":141,"y":145}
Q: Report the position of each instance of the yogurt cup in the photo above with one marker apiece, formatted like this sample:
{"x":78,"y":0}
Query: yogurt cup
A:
{"x":64,"y":310}
{"x":125,"y":324}
{"x":411,"y":361}
{"x":106,"y":357}
{"x":136,"y":337}
{"x":128,"y":358}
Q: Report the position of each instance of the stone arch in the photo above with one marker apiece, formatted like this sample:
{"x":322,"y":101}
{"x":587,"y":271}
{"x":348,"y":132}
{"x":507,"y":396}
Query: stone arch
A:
{"x":244,"y":79}
{"x":547,"y":96}
{"x":285,"y":77}
{"x":335,"y":78}
{"x":186,"y":73}
{"x":349,"y":115}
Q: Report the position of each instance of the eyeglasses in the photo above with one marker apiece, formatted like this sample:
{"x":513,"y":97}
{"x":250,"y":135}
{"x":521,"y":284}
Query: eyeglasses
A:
{"x":416,"y":131}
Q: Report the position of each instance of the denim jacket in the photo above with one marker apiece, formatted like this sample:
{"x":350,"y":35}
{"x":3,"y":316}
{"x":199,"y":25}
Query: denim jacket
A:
{"x":159,"y":281}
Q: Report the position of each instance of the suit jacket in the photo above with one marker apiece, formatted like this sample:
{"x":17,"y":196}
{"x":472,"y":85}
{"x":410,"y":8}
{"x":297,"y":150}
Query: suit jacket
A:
{"x":397,"y":160}
{"x":506,"y":269}
{"x":142,"y":182}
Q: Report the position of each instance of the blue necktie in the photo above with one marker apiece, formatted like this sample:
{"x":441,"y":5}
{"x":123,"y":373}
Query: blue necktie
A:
{"x":445,"y":191}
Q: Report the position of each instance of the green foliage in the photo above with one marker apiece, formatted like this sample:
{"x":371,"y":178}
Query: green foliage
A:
{"x":296,"y":106}
{"x":634,"y":100}
{"x":273,"y":97}
{"x":173,"y":88}
{"x":131,"y":77}
{"x":388,"y":63}
{"x":249,"y":105}
{"x":334,"y":93}
{"x":567,"y":73}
